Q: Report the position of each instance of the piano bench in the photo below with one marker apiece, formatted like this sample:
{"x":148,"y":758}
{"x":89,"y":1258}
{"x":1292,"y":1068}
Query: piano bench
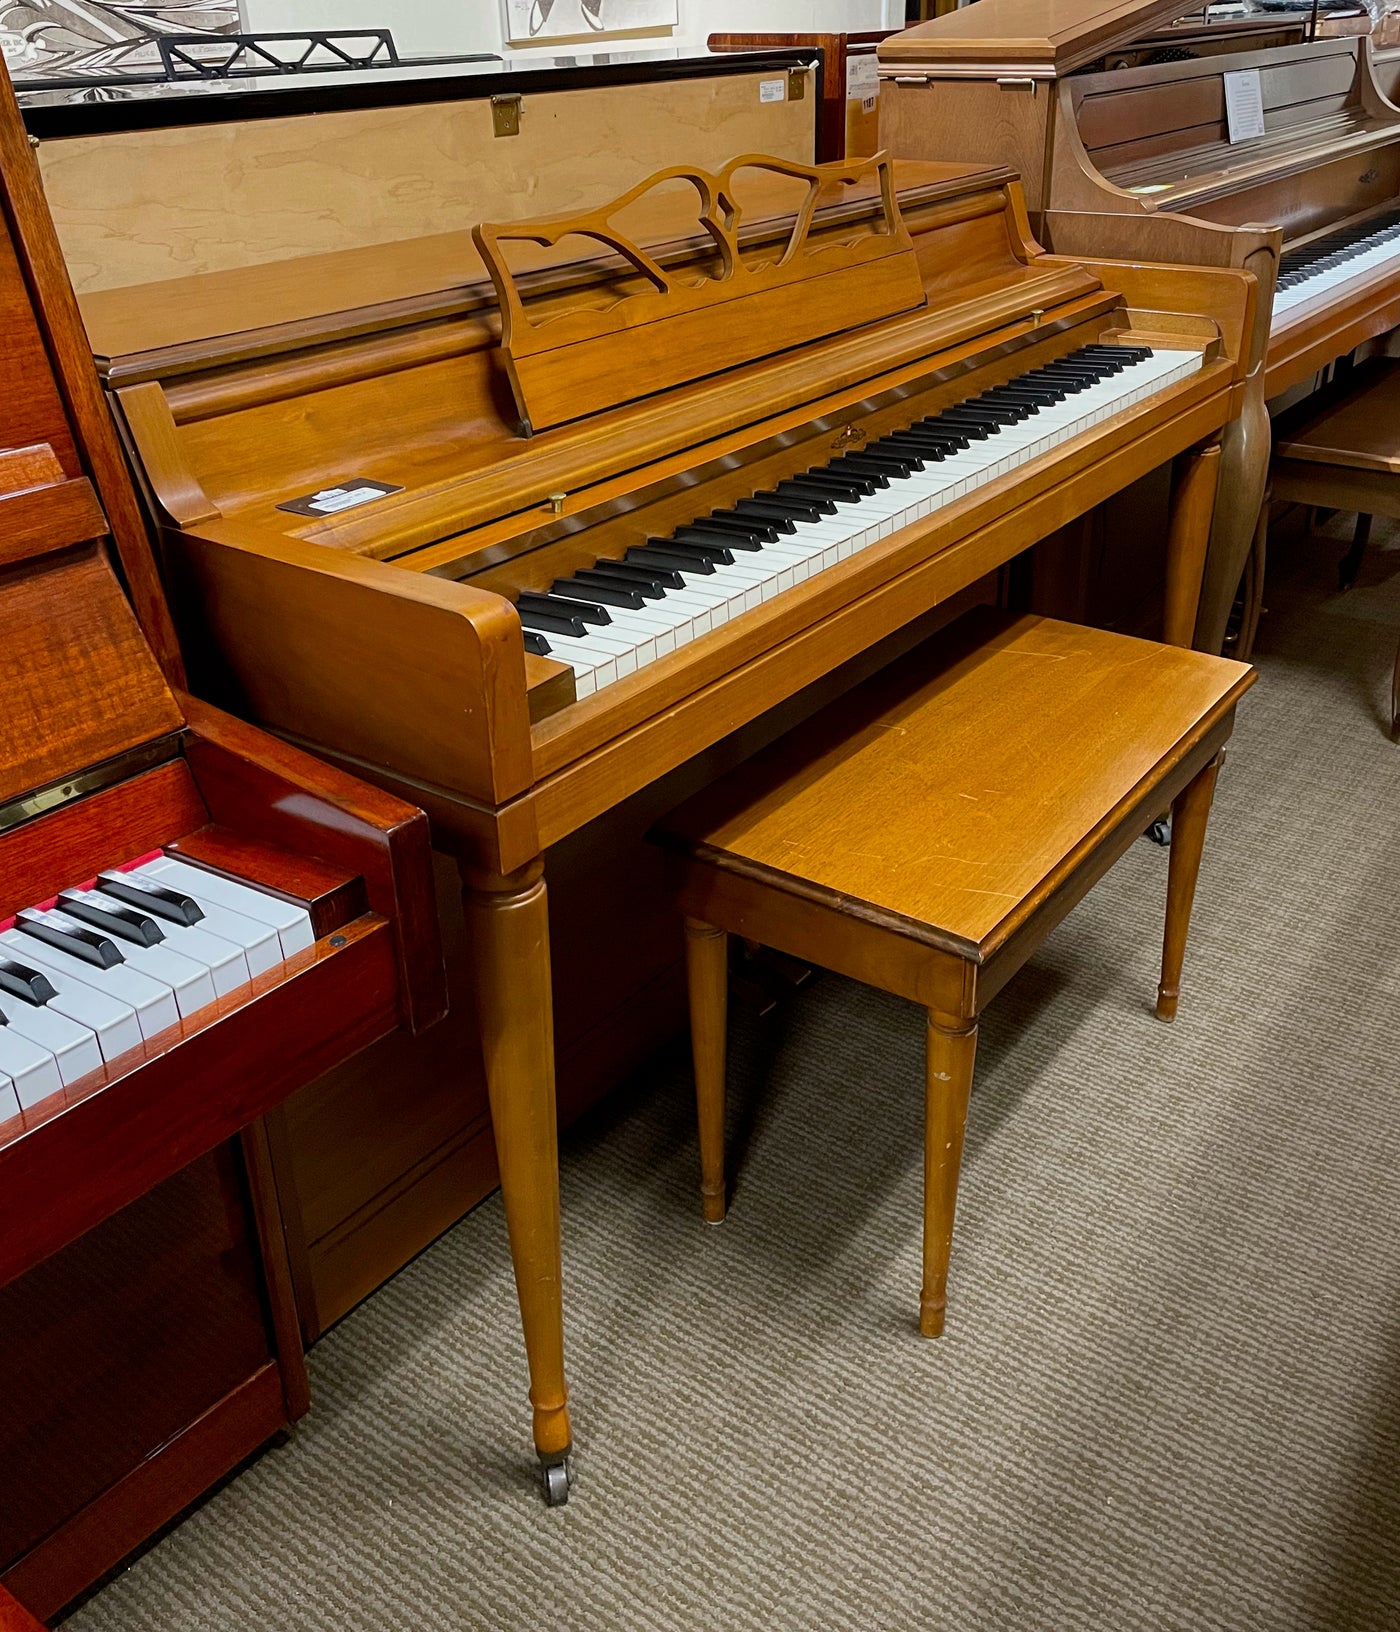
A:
{"x":1340,"y":450}
{"x":926,"y":832}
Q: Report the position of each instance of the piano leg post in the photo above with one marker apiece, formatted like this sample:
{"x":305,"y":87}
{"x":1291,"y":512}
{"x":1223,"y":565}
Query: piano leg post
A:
{"x":508,"y":921}
{"x":707,"y":976}
{"x":1188,"y":537}
{"x":1190,"y":813}
{"x":1244,"y":471}
{"x":950,"y":1054}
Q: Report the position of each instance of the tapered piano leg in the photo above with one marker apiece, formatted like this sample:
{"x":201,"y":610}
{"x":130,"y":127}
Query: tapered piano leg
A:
{"x":1244,"y":471}
{"x":508,"y":922}
{"x":1188,"y":534}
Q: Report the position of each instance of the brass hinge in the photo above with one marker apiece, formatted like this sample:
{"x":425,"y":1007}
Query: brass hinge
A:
{"x":505,"y":115}
{"x":797,"y":84}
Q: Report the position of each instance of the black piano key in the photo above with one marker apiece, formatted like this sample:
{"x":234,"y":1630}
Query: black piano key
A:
{"x":652,"y":581}
{"x":766,"y":515}
{"x":123,"y":922}
{"x":723,"y":553}
{"x":547,"y":604}
{"x":87,"y":944}
{"x":795,"y":487}
{"x":931,"y":449}
{"x":554,"y":623}
{"x":695,"y":532}
{"x":887,"y":447}
{"x":789,"y":504}
{"x":974,"y":430}
{"x":536,"y":644}
{"x":849,"y":481}
{"x":157,"y":899}
{"x":951,"y":435}
{"x":886,"y":462}
{"x":879,"y":474}
{"x":756,"y":528}
{"x":29,"y":985}
{"x":575,"y":589}
{"x":675,"y":559}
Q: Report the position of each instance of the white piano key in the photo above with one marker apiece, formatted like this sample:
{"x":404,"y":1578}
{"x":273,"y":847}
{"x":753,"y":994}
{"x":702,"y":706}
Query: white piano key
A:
{"x":73,"y":1046}
{"x":31,"y":1069}
{"x":292,"y":923}
{"x":154,"y":1002}
{"x":9,"y":1101}
{"x":224,"y":959}
{"x":113,"y":1023}
{"x":189,"y":981}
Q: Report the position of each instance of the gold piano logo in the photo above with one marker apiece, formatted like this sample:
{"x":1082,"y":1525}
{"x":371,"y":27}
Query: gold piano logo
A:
{"x":848,"y":436}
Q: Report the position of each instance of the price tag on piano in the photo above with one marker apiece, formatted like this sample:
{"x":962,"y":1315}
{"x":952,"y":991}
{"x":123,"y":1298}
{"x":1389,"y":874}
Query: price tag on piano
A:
{"x":330,"y":501}
{"x":862,"y":81}
{"x":1244,"y":104}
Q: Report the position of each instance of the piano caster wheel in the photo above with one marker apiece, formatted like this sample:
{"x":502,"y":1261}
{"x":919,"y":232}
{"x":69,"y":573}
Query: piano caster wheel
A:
{"x":1161,"y":831}
{"x":556,"y":1482}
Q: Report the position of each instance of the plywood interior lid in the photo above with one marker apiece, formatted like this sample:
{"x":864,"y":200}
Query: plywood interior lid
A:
{"x":1044,"y":37}
{"x":333,"y":296}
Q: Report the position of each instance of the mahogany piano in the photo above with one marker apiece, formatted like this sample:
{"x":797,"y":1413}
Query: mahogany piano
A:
{"x":1140,"y":162}
{"x":622,"y":496}
{"x":195,"y":920}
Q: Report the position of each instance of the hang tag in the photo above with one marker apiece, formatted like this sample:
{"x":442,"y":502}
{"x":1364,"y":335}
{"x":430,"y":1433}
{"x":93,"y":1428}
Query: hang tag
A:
{"x":1244,"y":104}
{"x":862,"y":79}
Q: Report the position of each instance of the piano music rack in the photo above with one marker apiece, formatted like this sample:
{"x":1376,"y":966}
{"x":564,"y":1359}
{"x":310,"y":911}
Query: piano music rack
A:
{"x":666,"y":327}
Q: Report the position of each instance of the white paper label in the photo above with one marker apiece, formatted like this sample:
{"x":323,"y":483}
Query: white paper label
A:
{"x":332,"y":499}
{"x":1244,"y":104}
{"x":862,"y":79}
{"x":772,"y":90}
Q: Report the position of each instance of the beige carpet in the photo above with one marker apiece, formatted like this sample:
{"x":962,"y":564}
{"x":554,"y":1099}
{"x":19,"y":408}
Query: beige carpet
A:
{"x":1169,"y":1397}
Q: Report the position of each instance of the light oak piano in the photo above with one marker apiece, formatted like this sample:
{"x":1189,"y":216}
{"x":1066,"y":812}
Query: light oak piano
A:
{"x":1137,"y":162}
{"x":195,"y":920}
{"x":595,"y":515}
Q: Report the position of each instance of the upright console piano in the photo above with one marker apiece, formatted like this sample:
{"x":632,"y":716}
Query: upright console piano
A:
{"x":1138,"y":162}
{"x":195,"y":920}
{"x":633,"y":489}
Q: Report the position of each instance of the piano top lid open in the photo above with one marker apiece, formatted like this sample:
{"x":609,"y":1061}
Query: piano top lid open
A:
{"x":1040,"y":39}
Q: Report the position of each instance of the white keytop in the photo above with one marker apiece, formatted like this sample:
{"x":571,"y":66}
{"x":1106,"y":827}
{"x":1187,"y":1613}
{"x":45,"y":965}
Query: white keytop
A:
{"x":112,"y":1022}
{"x":32,"y":1071}
{"x":74,"y":1047}
{"x":605,"y":653}
{"x":292,"y":923}
{"x":9,"y":1101}
{"x":225,"y":961}
{"x":189,"y":981}
{"x":1326,"y":283}
{"x":153,"y":1002}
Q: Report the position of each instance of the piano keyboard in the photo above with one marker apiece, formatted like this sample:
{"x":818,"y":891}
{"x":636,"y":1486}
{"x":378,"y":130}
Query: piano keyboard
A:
{"x":614,"y":618}
{"x":1322,"y":266}
{"x":105,"y":966}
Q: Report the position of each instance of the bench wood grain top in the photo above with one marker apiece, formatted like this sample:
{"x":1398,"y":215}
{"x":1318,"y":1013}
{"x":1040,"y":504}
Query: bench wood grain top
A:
{"x":955,"y":786}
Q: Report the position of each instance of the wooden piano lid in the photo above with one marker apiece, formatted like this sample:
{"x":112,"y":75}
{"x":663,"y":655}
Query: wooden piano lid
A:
{"x":1036,"y":38}
{"x":80,"y":682}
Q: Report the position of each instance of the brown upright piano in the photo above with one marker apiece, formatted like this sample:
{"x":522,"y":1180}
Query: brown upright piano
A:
{"x":1138,"y":162}
{"x":195,"y":920}
{"x":382,"y":509}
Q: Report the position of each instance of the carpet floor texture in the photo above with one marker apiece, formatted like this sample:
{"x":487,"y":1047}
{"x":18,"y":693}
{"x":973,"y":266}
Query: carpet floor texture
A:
{"x":1169,"y":1395}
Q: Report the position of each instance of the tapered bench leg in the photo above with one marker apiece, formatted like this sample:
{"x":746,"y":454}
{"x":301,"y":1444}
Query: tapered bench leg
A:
{"x":1190,"y":813}
{"x":951,"y":1054}
{"x":707,"y":975}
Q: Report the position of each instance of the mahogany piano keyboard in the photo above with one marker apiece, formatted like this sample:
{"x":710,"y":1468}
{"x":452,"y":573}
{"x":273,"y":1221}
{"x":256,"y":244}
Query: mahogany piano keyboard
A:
{"x":195,"y":921}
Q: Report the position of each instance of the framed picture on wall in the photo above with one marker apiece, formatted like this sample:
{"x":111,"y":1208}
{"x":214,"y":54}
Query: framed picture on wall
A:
{"x":528,"y":20}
